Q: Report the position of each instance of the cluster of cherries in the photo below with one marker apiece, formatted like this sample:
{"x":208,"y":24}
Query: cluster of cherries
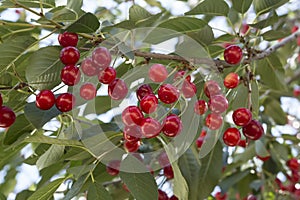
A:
{"x":7,"y":115}
{"x":223,"y":196}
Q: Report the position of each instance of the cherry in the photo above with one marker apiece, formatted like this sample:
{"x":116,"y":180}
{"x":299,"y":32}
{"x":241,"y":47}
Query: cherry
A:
{"x":149,"y":103}
{"x":143,"y":91}
{"x":200,"y":141}
{"x":65,"y":102}
{"x":113,"y":167}
{"x":88,"y":68}
{"x":70,"y":75}
{"x":221,"y":196}
{"x":45,"y":99}
{"x":263,"y":158}
{"x":294,"y":29}
{"x":231,"y":80}
{"x":213,"y":121}
{"x":88,"y":91}
{"x":296,"y":92}
{"x":298,"y":41}
{"x":168,"y":172}
{"x":108,"y":75}
{"x":242,"y":143}
{"x":124,"y":186}
{"x":200,"y":107}
{"x":293,"y":164}
{"x":101,"y":58}
{"x":233,"y":54}
{"x":150,"y":127}
{"x":172,"y":125}
{"x":173,"y":198}
{"x":132,"y":146}
{"x":69,"y":55}
{"x":231,"y":136}
{"x":168,"y":93}
{"x":132,"y":133}
{"x":162,"y":195}
{"x":245,"y":28}
{"x":117,"y":89}
{"x":158,"y":73}
{"x":68,"y":39}
{"x":180,"y":75}
{"x":1,"y":100}
{"x":242,"y":116}
{"x":253,"y":130}
{"x":7,"y":117}
{"x":188,"y":89}
{"x":218,"y":104}
{"x":211,"y":88}
{"x":132,"y":115}
{"x":251,"y":197}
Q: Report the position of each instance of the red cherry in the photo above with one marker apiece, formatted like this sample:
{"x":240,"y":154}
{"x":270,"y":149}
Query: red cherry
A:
{"x":213,"y":121}
{"x":168,"y":93}
{"x":242,"y":116}
{"x":168,"y":172}
{"x":88,"y":68}
{"x":101,"y":58}
{"x":298,"y":41}
{"x":113,"y":167}
{"x":7,"y":117}
{"x":158,"y":73}
{"x":231,"y":137}
{"x":296,"y":92}
{"x":88,"y":91}
{"x":149,"y":103}
{"x":188,"y":89}
{"x":70,"y":75}
{"x":211,"y":88}
{"x":1,"y":100}
{"x":294,"y":29}
{"x":233,"y":54}
{"x":69,"y":55}
{"x":173,"y":198}
{"x":45,"y":100}
{"x":231,"y":80}
{"x":124,"y":186}
{"x":242,"y":143}
{"x":132,"y":146}
{"x":162,"y":195}
{"x":117,"y":89}
{"x":180,"y":75}
{"x":108,"y":75}
{"x":245,"y":28}
{"x":221,"y":196}
{"x":143,"y":91}
{"x":200,"y":141}
{"x":150,"y":127}
{"x":68,"y":39}
{"x":293,"y":164}
{"x":218,"y":104}
{"x":65,"y":102}
{"x":265,"y":158}
{"x":253,"y":130}
{"x":132,"y":115}
{"x":200,"y":107}
{"x":132,"y":133}
{"x":172,"y":125}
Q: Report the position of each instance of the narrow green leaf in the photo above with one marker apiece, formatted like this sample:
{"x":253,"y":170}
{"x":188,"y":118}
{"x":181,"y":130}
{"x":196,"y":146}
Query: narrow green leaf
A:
{"x":255,"y":98}
{"x":48,"y":172}
{"x":232,"y":179}
{"x":241,"y":6}
{"x":75,"y":5}
{"x":25,"y":194}
{"x":260,"y":149}
{"x":180,"y":186}
{"x":263,"y":6}
{"x":270,"y":20}
{"x":273,"y":109}
{"x":97,"y":191}
{"x":30,"y":3}
{"x":210,"y":7}
{"x":39,"y":138}
{"x":87,"y":23}
{"x":78,"y":171}
{"x":76,"y":187}
{"x":137,"y":13}
{"x":51,"y":156}
{"x":61,"y":14}
{"x":274,"y":35}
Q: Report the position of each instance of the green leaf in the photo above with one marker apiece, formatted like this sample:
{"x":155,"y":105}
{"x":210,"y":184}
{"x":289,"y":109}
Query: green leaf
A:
{"x":241,"y":6}
{"x":255,"y":98}
{"x":137,"y":13}
{"x":248,"y":154}
{"x":48,"y":172}
{"x":43,"y":71}
{"x":210,"y":7}
{"x":37,"y":117}
{"x":205,"y":36}
{"x":87,"y":23}
{"x":75,"y":5}
{"x":180,"y":186}
{"x":260,"y":149}
{"x":46,"y":192}
{"x":39,"y":138}
{"x":51,"y":156}
{"x":76,"y":187}
{"x":273,"y":109}
{"x":274,"y":35}
{"x":232,"y":179}
{"x":61,"y":14}
{"x":215,"y":50}
{"x":78,"y":171}
{"x":101,"y":105}
{"x":29,"y":3}
{"x":263,"y":6}
{"x":97,"y":191}
{"x":270,"y":20}
{"x":25,"y":194}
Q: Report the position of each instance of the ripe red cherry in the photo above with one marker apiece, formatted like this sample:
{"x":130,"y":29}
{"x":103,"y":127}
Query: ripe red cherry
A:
{"x":218,"y":104}
{"x":188,"y":89}
{"x":231,"y":137}
{"x":149,"y":103}
{"x":150,"y":127}
{"x":88,"y":68}
{"x":221,"y":196}
{"x":70,"y":75}
{"x":158,"y":73}
{"x":132,"y":133}
{"x":7,"y":117}
{"x":242,"y":116}
{"x":173,"y":198}
{"x":245,"y":28}
{"x":296,"y":92}
{"x":162,"y":195}
{"x":213,"y":121}
{"x":231,"y":80}
{"x":251,"y":197}
{"x":88,"y":91}
{"x":200,"y":141}
{"x":132,"y":115}
{"x":265,"y":158}
{"x":143,"y":91}
{"x":180,"y":75}
{"x":242,"y":143}
{"x":233,"y":54}
{"x":68,"y":39}
{"x":113,"y":167}
{"x":65,"y":102}
{"x":200,"y":107}
{"x":132,"y":146}
{"x":293,"y":164}
{"x":168,"y":172}
{"x":69,"y":55}
{"x":117,"y":89}
{"x":108,"y":75}
{"x":101,"y":58}
{"x":253,"y":130}
{"x":294,"y":29}
{"x":45,"y":100}
{"x":172,"y":125}
{"x":1,"y":100}
{"x":168,"y":93}
{"x":211,"y":88}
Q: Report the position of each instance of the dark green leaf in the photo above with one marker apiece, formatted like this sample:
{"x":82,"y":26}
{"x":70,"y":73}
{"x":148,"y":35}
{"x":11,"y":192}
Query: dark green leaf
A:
{"x":30,"y":3}
{"x":210,"y":7}
{"x":274,"y":35}
{"x":241,"y":5}
{"x":263,"y":6}
{"x":215,"y":50}
{"x":78,"y":171}
{"x":87,"y":23}
{"x":76,"y":187}
{"x":101,"y":105}
{"x":260,"y":149}
{"x":48,"y":172}
{"x":25,"y":194}
{"x":97,"y":191}
{"x":274,"y":110}
{"x":51,"y":156}
{"x":232,"y":179}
